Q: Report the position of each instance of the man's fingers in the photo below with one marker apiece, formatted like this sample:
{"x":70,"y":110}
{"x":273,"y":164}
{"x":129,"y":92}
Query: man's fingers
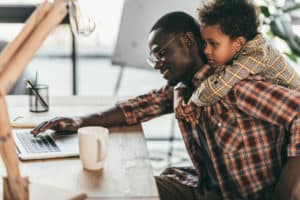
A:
{"x":37,"y":129}
{"x":48,"y":125}
{"x":44,"y":126}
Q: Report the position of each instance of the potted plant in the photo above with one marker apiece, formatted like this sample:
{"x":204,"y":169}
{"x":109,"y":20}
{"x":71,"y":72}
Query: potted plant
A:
{"x":280,"y":16}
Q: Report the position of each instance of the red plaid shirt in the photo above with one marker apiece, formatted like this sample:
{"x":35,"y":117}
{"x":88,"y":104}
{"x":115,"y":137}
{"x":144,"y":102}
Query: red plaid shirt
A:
{"x":249,"y":134}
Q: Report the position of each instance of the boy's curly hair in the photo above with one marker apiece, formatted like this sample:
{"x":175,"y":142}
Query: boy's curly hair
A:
{"x":235,"y":17}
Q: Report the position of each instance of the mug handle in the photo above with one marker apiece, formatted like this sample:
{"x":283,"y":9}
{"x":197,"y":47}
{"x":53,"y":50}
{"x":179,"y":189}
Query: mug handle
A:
{"x":101,"y":150}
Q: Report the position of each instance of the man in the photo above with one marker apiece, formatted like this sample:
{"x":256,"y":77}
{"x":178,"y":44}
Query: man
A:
{"x":238,"y":145}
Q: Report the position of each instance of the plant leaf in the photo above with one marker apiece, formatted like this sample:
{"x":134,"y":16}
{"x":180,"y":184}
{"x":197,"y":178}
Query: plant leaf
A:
{"x":265,"y":11}
{"x":292,"y":56}
{"x":292,"y":8}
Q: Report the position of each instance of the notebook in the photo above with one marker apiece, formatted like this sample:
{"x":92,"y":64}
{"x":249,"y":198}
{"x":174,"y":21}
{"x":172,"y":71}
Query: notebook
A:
{"x":48,"y":144}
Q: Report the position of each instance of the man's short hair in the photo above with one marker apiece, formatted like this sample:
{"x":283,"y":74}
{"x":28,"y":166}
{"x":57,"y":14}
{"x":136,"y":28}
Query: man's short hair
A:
{"x":181,"y":22}
{"x":235,"y":17}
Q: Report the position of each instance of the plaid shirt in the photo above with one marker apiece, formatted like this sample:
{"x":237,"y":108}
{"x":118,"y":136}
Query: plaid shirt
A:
{"x":249,"y":134}
{"x":256,"y":57}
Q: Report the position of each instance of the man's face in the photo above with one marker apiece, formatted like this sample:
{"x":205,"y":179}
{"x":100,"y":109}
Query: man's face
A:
{"x":170,"y":55}
{"x":220,"y":49}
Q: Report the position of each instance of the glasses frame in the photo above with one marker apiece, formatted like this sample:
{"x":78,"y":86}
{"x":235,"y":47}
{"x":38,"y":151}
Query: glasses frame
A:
{"x":153,"y":57}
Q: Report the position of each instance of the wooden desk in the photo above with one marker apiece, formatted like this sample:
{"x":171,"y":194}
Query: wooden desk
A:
{"x":127,"y":173}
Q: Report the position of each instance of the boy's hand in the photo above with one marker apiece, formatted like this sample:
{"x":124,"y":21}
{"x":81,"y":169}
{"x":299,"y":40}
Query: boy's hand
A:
{"x":188,"y":112}
{"x":195,"y":98}
{"x":183,"y":110}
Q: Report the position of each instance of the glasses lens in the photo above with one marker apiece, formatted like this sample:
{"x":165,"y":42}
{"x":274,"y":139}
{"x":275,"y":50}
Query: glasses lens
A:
{"x":159,"y":56}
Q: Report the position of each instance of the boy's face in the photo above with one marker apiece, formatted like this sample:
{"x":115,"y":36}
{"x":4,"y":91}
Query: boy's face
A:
{"x":220,"y":48}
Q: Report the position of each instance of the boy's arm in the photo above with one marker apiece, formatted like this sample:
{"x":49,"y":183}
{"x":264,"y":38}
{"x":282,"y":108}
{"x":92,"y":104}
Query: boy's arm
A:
{"x":219,"y":84}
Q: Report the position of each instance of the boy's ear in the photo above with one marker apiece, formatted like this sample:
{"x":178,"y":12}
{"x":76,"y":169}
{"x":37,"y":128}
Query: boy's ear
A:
{"x":240,"y":41}
{"x":188,"y":39}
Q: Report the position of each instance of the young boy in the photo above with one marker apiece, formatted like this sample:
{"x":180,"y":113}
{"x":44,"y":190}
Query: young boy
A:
{"x":236,"y":49}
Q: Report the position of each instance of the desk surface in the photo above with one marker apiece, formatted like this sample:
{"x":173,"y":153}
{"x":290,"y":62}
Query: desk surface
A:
{"x":127,"y":172}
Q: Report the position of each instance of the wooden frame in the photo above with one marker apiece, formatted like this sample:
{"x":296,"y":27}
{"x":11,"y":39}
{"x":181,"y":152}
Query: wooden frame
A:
{"x":13,"y":61}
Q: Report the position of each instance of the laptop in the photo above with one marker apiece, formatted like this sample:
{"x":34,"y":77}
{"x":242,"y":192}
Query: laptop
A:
{"x":48,"y":144}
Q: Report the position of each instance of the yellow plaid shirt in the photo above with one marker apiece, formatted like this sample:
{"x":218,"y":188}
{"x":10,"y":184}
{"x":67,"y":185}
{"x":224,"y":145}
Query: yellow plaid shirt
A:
{"x":256,"y":57}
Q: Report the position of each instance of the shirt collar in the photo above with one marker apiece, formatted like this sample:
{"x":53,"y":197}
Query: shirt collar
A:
{"x":253,"y":45}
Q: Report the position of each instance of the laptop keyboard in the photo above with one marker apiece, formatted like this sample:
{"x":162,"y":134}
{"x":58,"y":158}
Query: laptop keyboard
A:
{"x":38,"y":144}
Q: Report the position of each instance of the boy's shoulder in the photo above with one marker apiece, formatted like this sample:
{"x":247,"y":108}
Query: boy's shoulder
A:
{"x":258,"y":41}
{"x":257,"y":46}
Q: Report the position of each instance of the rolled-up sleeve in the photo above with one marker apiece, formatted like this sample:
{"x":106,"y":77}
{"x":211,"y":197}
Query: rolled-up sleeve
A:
{"x":148,"y":106}
{"x":293,"y":148}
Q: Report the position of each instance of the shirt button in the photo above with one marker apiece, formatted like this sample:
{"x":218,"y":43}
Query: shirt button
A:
{"x":219,"y":124}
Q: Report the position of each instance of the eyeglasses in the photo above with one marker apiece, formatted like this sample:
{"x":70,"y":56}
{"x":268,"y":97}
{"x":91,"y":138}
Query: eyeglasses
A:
{"x":159,"y":56}
{"x":80,"y":22}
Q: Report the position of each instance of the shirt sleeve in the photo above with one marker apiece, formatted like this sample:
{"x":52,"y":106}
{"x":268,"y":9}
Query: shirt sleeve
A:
{"x":147,"y":106}
{"x":218,"y":85}
{"x":275,"y":104}
{"x":293,"y":148}
{"x":184,"y":175}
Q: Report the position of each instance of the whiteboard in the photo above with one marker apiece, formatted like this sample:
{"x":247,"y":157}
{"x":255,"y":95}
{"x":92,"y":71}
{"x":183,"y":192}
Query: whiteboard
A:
{"x":137,"y":19}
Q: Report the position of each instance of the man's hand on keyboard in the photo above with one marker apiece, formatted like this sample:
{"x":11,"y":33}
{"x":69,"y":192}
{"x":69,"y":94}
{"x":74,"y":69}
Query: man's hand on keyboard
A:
{"x":59,"y":124}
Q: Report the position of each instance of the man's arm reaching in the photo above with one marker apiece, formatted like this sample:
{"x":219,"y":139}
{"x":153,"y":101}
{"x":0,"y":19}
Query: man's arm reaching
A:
{"x":112,"y":117}
{"x":132,"y":111}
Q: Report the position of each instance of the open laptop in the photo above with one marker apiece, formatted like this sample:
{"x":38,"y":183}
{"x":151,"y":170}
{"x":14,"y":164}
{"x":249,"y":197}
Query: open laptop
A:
{"x":46,"y":145}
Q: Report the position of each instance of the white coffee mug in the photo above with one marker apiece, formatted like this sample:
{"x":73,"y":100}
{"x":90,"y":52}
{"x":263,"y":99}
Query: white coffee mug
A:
{"x":93,"y":141}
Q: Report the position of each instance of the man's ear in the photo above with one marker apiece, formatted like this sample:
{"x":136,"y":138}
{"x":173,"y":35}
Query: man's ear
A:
{"x":188,"y":39}
{"x":240,"y":42}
